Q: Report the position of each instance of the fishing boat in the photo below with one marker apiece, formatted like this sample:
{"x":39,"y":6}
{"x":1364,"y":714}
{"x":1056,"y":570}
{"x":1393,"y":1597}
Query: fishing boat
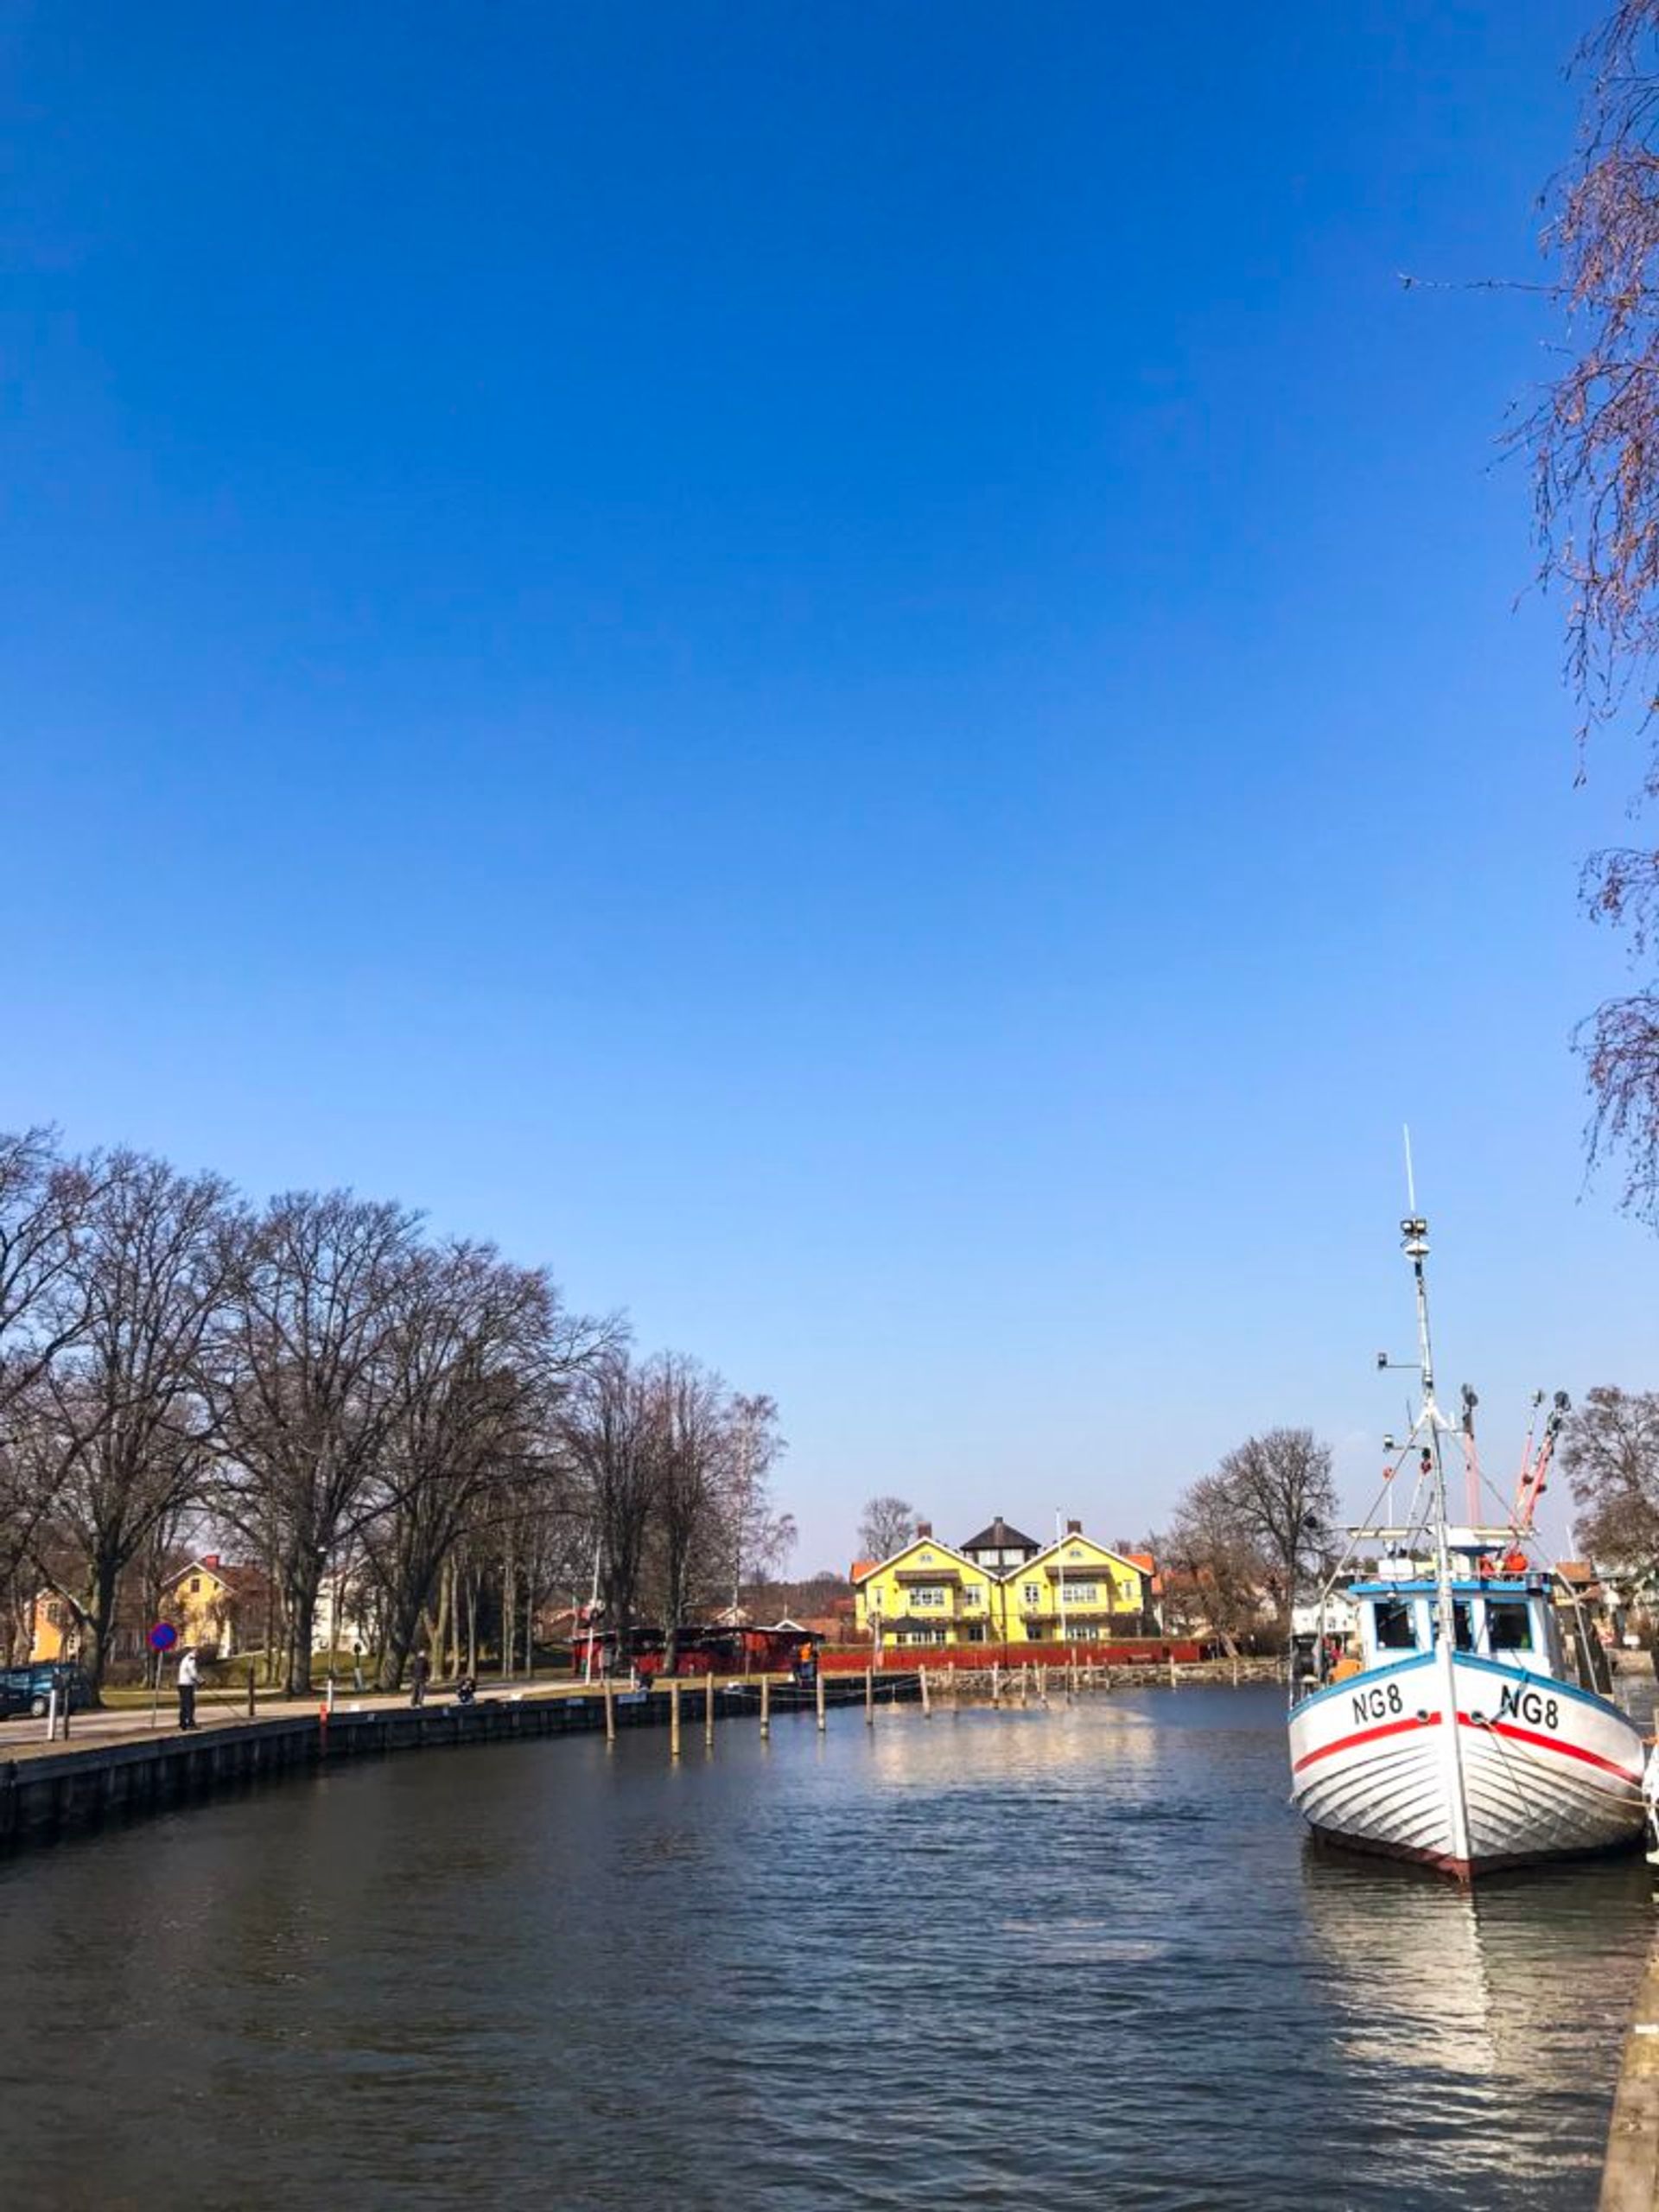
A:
{"x":1465,"y":1725}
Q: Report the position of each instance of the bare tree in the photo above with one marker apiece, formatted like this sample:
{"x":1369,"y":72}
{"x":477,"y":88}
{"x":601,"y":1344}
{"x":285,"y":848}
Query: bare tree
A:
{"x":607,"y":1432}
{"x":1594,"y":437}
{"x":1610,"y":1454}
{"x":301,"y":1376}
{"x":1215,"y":1569}
{"x":692,"y":1491}
{"x":43,"y":1202}
{"x":759,"y":1537}
{"x":1280,"y":1491}
{"x":116,"y":1423}
{"x":885,"y":1527}
{"x":481,"y":1355}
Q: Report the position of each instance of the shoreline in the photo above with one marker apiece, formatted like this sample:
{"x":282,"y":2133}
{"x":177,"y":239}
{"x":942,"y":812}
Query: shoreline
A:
{"x":49,"y":1791}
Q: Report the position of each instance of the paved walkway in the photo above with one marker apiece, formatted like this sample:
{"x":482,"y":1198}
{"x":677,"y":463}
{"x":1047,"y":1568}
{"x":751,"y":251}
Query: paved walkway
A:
{"x":25,"y":1737}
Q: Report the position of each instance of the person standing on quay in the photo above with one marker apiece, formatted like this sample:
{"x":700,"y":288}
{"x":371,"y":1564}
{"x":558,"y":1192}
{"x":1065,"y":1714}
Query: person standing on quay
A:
{"x":188,"y":1687}
{"x":420,"y":1668}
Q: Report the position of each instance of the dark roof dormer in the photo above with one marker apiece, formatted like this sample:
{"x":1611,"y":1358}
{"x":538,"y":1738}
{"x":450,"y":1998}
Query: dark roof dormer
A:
{"x":1000,"y":1546}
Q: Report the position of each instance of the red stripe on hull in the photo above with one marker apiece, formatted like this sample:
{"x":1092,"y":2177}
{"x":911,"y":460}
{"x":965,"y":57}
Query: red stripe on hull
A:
{"x":1550,"y":1744}
{"x":1368,"y":1736}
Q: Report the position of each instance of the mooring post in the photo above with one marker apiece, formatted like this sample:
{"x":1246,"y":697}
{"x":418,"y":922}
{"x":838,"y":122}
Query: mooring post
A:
{"x":869,"y":1697}
{"x":818,"y":1679}
{"x":927,"y":1709}
{"x":708,"y":1707}
{"x":996,"y":1683}
{"x":766,"y":1707}
{"x":1172,"y":1670}
{"x":610,"y":1712}
{"x":674,"y":1720}
{"x":1235,"y":1674}
{"x":52,"y":1713}
{"x":251,"y":1693}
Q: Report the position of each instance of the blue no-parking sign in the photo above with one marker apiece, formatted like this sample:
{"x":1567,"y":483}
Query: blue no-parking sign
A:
{"x":164,"y":1637}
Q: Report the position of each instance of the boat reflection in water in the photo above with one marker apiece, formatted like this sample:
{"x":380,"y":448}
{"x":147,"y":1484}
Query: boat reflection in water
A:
{"x":1478,"y":2005}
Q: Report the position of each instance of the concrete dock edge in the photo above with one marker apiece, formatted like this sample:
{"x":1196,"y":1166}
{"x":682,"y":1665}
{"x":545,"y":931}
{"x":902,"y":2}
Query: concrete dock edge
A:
{"x":1630,"y":2180}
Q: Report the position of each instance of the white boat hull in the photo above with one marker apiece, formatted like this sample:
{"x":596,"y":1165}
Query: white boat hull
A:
{"x":1468,"y":1767}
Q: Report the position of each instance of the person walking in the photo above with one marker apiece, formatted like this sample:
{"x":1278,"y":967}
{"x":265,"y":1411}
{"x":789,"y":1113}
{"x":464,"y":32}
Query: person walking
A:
{"x":420,"y":1669}
{"x":188,"y":1687}
{"x":357,"y":1668}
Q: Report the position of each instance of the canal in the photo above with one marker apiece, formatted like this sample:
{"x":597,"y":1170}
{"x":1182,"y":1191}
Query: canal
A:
{"x":1082,"y":1958}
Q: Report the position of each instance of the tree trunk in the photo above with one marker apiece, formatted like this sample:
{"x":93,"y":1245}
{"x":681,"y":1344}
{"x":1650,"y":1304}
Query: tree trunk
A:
{"x":98,"y":1623}
{"x":301,"y":1614}
{"x":441,"y":1625}
{"x":472,"y":1626}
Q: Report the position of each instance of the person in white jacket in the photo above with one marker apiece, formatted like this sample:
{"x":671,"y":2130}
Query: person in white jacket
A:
{"x":188,"y":1687}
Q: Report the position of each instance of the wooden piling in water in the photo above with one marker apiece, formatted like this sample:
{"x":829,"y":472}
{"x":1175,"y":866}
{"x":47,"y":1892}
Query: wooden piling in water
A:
{"x":610,"y":1712}
{"x":869,"y":1697}
{"x":673,"y":1721}
{"x":996,"y":1683}
{"x":1172,"y":1670}
{"x":927,"y":1708}
{"x":766,"y":1707}
{"x":818,"y":1682}
{"x":708,"y":1707}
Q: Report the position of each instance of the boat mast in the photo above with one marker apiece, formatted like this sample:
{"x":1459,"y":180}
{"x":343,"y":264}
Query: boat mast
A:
{"x":1415,"y":1238}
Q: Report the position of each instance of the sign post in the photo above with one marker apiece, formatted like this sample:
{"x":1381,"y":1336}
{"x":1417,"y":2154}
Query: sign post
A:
{"x":161,"y":1639}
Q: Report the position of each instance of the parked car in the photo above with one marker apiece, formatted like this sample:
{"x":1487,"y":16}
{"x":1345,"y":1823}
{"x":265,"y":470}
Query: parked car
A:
{"x":28,"y":1689}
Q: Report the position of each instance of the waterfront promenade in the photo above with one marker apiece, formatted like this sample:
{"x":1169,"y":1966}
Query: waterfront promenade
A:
{"x":223,"y":1707}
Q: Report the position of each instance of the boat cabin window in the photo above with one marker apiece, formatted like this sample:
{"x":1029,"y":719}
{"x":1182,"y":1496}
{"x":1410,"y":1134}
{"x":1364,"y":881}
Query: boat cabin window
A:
{"x":1508,"y":1625}
{"x":1462,"y":1634}
{"x":1396,"y":1625}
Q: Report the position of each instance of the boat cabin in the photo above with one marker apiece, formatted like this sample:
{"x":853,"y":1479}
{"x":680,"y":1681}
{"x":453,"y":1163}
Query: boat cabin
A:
{"x":1493,"y":1618}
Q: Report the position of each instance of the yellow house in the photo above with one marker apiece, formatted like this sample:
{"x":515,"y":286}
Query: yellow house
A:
{"x":215,"y":1606}
{"x":928,"y":1594}
{"x":51,"y":1628}
{"x":1075,"y":1590}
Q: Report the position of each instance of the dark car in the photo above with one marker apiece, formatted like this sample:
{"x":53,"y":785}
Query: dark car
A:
{"x":28,"y":1689}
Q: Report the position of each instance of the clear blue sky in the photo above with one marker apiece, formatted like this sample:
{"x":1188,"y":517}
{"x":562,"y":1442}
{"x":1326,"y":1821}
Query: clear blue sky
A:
{"x":854,"y":671}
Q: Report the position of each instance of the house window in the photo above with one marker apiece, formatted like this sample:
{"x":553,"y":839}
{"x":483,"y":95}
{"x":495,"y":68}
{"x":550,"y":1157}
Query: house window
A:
{"x":1031,"y":1593}
{"x":195,"y":1584}
{"x":970,"y":1596}
{"x":928,"y":1594}
{"x":1083,"y":1593}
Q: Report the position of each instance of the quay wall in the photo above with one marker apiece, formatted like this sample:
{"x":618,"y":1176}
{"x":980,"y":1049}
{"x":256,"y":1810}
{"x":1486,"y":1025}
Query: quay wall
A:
{"x":44,"y":1797}
{"x":1630,"y":2179}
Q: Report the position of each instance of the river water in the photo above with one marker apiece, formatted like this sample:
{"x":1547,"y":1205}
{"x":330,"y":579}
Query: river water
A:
{"x":1079,"y":1958}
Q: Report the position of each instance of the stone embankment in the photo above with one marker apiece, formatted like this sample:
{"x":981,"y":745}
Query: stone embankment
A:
{"x":49,"y":1791}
